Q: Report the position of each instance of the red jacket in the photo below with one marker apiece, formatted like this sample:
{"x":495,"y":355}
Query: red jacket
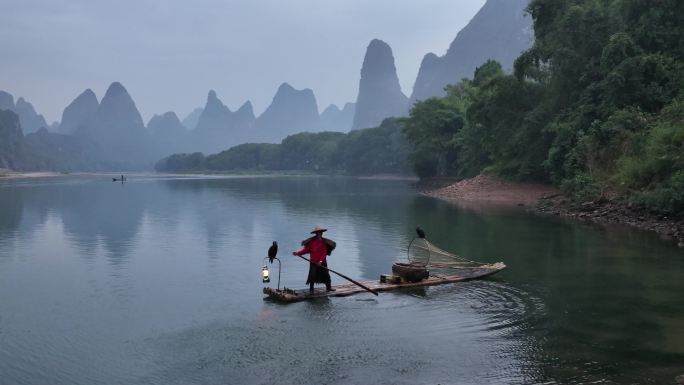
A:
{"x":317,"y":248}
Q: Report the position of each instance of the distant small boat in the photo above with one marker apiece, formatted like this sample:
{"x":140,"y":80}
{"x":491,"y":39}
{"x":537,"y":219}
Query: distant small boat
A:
{"x":122,"y":179}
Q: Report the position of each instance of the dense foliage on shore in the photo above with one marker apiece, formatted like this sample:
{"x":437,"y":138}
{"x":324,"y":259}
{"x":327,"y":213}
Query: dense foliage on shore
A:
{"x":595,"y":106}
{"x":380,"y":150}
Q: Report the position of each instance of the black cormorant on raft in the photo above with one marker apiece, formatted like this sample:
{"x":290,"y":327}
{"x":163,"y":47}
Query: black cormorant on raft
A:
{"x":444,"y":268}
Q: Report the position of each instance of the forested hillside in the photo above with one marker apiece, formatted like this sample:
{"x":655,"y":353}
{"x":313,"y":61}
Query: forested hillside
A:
{"x":594,"y":106}
{"x":380,"y":150}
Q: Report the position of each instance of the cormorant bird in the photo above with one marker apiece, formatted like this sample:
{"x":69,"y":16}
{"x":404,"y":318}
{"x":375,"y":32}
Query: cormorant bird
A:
{"x":272,"y":251}
{"x":420,"y":232}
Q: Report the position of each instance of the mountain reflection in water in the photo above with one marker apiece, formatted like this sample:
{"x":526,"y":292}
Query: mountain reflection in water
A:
{"x":157,"y":281}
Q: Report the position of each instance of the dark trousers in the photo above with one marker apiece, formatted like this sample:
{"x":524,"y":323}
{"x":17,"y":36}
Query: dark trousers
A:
{"x":318,"y":274}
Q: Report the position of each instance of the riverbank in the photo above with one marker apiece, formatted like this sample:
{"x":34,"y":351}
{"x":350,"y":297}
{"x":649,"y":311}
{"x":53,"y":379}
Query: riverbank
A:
{"x":486,"y":189}
{"x":10,"y":174}
{"x":548,"y":200}
{"x":290,"y":173}
{"x":616,"y":211}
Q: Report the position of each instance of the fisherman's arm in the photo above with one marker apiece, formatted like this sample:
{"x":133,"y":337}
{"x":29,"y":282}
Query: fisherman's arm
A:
{"x":303,"y":251}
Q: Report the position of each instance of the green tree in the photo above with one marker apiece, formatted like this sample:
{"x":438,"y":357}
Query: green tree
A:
{"x":380,"y":150}
{"x":431,"y":128}
{"x":248,"y":156}
{"x":310,"y":151}
{"x":182,"y":162}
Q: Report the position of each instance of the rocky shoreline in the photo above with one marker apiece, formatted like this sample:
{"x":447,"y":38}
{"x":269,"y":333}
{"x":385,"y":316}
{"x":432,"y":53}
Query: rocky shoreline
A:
{"x":548,"y":200}
{"x":615,"y":212}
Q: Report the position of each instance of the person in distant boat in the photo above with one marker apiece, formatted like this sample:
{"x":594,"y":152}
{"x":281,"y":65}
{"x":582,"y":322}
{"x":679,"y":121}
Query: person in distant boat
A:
{"x":319,"y":248}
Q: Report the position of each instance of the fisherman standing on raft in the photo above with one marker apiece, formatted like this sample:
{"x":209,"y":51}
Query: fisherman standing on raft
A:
{"x":319,"y":248}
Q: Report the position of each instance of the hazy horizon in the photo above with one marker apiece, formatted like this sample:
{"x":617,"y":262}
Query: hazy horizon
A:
{"x":169,"y":56}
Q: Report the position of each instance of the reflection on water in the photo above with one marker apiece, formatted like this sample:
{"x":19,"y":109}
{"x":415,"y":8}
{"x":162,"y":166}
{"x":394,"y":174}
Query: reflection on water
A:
{"x":403,"y":338}
{"x":157,"y":281}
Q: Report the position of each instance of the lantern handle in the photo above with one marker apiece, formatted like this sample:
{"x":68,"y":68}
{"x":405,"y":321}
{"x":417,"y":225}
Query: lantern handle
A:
{"x":279,"y":267}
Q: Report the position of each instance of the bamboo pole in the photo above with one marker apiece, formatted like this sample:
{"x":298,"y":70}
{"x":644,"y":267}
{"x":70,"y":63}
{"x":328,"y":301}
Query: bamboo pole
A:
{"x":341,"y":275}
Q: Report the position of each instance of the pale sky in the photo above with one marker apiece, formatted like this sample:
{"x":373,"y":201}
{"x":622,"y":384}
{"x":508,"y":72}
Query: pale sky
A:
{"x":169,"y":54}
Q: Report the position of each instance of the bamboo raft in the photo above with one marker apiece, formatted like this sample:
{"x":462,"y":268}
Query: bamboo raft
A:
{"x":462,"y":274}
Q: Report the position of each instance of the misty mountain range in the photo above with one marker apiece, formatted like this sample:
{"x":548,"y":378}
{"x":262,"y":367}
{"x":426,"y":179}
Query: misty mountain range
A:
{"x":500,"y":31}
{"x":110,"y":133}
{"x":29,"y":119}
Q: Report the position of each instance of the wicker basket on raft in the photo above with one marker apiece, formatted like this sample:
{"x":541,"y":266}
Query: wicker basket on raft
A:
{"x":410,"y":272}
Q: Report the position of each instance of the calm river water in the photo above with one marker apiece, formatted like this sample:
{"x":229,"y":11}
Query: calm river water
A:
{"x":157,"y":281}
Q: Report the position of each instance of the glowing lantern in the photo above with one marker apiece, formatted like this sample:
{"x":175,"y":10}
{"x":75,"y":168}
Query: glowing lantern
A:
{"x":265,"y":274}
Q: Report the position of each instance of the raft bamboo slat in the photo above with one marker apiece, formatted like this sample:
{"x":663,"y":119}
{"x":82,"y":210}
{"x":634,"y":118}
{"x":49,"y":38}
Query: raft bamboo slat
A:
{"x":462,"y":274}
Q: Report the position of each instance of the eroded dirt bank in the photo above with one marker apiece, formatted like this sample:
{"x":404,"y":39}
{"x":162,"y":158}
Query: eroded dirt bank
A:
{"x":549,"y":200}
{"x":487,"y":189}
